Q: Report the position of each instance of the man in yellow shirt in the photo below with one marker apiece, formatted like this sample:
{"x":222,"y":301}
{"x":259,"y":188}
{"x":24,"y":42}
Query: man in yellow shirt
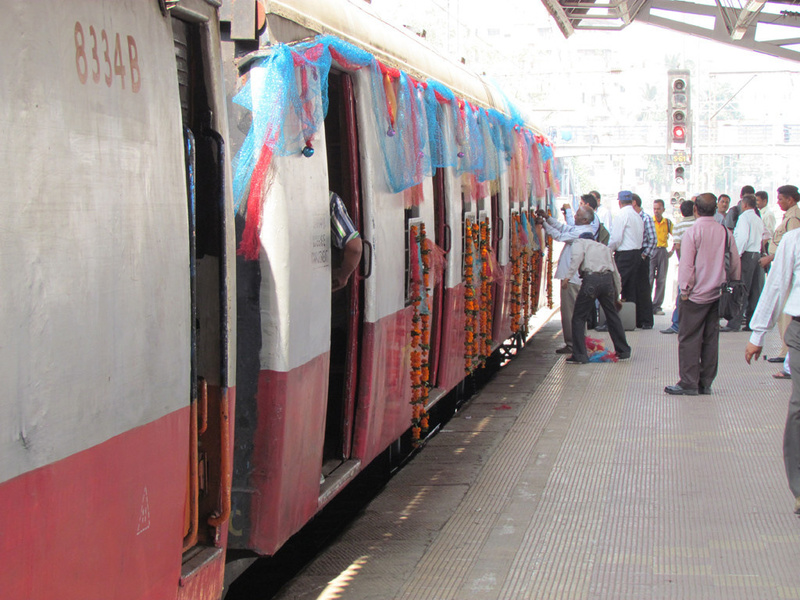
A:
{"x":660,"y":260}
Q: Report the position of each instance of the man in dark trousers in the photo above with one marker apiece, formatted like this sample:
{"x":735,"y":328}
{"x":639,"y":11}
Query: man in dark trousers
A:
{"x":600,"y":281}
{"x":701,"y":272}
{"x":627,"y":236}
{"x":644,"y":289}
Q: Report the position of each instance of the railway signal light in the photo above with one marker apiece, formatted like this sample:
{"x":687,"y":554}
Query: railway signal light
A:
{"x":680,"y":178}
{"x":679,"y":122}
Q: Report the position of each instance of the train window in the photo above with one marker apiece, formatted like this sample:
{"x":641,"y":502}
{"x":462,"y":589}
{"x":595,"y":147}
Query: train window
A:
{"x":411,"y":218}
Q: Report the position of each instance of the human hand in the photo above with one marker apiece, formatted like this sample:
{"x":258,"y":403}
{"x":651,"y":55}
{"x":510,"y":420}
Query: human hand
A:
{"x":751,"y":351}
{"x":338,"y":281}
{"x":618,"y":305}
{"x":764,"y":261}
{"x":566,"y":207}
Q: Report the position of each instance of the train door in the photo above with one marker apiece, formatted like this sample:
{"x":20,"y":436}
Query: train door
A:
{"x":443,"y":238}
{"x":341,"y":138}
{"x":208,"y":472}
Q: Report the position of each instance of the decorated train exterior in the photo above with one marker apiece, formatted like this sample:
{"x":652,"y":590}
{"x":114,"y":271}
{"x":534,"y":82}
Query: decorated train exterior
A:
{"x":182,"y":379}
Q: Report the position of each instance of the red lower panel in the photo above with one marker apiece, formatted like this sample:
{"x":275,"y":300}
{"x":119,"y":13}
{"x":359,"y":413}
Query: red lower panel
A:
{"x":383,"y":411}
{"x":501,"y":325}
{"x":104,"y":523}
{"x":287,"y":452}
{"x":451,"y":354}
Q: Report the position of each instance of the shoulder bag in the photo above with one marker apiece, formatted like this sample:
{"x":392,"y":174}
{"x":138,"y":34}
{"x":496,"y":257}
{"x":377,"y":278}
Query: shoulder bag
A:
{"x":732,"y":292}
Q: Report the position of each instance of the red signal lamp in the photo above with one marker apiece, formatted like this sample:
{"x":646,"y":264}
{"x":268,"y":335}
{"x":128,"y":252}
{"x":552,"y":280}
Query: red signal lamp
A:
{"x":678,"y":133}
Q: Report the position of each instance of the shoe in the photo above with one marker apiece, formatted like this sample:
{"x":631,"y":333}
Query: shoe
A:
{"x":564,"y":350}
{"x":746,"y":328}
{"x":781,"y":375}
{"x":669,"y":330}
{"x":647,"y":326}
{"x":776,"y":359}
{"x":576,"y":361}
{"x":797,"y":506}
{"x":625,"y":356}
{"x":677,"y":390}
{"x":727,"y":329}
{"x":601,"y":328}
{"x":658,"y":311}
{"x":705,"y":391}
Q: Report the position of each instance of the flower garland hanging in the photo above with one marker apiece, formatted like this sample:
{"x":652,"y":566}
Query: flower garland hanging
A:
{"x":516,"y":276}
{"x":536,"y":279}
{"x":526,"y":278}
{"x":486,"y":294}
{"x":420,"y":330}
{"x":470,"y":302}
{"x":549,"y":272}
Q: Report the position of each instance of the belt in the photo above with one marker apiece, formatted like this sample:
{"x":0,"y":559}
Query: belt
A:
{"x":589,"y":273}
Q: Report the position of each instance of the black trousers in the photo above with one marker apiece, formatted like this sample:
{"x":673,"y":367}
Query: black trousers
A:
{"x":644,"y":294}
{"x":753,"y":279}
{"x":628,"y":266}
{"x":597,"y":286}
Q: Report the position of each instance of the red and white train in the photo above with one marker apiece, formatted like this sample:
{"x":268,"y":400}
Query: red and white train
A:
{"x":167,"y":399}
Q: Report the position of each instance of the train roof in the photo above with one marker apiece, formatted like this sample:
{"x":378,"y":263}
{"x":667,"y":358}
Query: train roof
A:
{"x":357,"y":23}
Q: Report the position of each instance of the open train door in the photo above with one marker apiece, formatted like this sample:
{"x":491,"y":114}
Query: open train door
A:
{"x":443,"y":239}
{"x":209,"y":269}
{"x":341,"y":140}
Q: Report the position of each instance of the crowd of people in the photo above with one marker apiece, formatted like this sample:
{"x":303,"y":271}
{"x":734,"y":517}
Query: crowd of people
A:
{"x":607,"y":262}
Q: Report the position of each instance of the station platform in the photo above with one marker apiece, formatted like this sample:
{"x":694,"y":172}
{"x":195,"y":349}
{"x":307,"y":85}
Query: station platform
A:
{"x":586,"y":481}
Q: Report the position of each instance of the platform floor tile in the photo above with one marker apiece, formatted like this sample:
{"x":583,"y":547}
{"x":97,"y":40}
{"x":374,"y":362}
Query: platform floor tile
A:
{"x":586,"y":482}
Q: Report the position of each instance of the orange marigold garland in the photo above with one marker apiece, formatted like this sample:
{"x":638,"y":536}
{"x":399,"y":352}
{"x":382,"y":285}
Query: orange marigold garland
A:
{"x":420,"y":263}
{"x":549,"y":272}
{"x":470,"y":301}
{"x":516,"y":276}
{"x":485,"y":314}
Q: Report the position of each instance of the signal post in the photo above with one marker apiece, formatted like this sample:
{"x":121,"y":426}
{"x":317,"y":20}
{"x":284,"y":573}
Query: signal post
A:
{"x":679,"y":132}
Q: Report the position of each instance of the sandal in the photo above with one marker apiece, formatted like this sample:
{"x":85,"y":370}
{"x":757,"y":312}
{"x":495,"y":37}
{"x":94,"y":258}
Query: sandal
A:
{"x":781,"y":375}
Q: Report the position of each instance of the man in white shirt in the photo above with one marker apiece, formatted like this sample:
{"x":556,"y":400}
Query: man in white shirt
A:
{"x":767,"y":216}
{"x":603,"y":213}
{"x":748,"y":234}
{"x":627,"y":236}
{"x":782,"y":295}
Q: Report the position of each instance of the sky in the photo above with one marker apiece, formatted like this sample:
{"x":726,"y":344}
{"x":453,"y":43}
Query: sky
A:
{"x":605,"y":81}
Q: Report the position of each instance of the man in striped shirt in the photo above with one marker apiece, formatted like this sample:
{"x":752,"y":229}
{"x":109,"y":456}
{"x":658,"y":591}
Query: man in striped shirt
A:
{"x":344,"y":237}
{"x":687,"y":220}
{"x":644,"y":291}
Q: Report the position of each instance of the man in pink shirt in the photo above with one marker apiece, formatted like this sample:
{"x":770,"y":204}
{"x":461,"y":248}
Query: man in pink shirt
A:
{"x":701,"y":272}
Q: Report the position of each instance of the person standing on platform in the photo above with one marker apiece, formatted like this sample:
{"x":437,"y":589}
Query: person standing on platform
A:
{"x":788,"y":197}
{"x":733,"y":213}
{"x":602,"y":212}
{"x":561,"y":232}
{"x":687,"y":220}
{"x":660,"y":261}
{"x":781,"y":296}
{"x":767,"y":216}
{"x":627,"y":237}
{"x":723,"y":204}
{"x":600,"y":281}
{"x":644,"y":286}
{"x":748,"y":234}
{"x":701,"y":272}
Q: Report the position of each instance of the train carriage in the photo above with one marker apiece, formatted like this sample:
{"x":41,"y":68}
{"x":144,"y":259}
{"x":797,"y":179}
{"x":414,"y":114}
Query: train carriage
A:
{"x":182,"y":379}
{"x":116,"y":318}
{"x":334,"y":382}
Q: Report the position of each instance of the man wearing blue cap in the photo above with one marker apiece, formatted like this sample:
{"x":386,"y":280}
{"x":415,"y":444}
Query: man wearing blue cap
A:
{"x":627,"y":236}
